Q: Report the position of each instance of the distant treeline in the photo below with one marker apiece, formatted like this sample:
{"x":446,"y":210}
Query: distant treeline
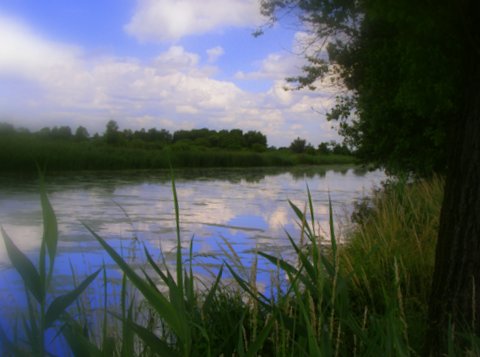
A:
{"x":61,"y":148}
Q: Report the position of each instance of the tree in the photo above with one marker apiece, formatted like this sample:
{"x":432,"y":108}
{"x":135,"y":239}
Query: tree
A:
{"x":112,"y":135}
{"x":81,"y":134}
{"x":298,"y":145}
{"x":411,"y":77}
{"x":255,"y":139}
{"x":324,"y":148}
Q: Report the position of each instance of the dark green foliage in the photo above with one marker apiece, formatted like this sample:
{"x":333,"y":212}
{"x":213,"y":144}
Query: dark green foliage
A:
{"x":366,"y":298}
{"x":112,"y":135}
{"x":395,"y":58}
{"x":298,"y":146}
{"x":81,"y":134}
{"x":412,"y":69}
{"x":152,"y":149}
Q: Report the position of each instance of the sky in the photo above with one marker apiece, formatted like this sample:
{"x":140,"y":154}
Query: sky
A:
{"x":168,"y":64}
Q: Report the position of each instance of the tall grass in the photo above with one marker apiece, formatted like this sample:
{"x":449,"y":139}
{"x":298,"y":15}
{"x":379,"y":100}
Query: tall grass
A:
{"x":365,"y":298}
{"x":20,"y":155}
{"x":391,"y":252}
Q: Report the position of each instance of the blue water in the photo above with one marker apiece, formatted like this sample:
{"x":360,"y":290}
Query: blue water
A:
{"x":247,"y":208}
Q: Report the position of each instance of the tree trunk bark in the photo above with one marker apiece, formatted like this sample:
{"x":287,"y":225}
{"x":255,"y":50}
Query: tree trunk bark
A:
{"x":455,"y":297}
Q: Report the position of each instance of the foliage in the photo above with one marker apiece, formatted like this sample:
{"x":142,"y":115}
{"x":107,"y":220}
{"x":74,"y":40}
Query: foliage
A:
{"x":298,"y":145}
{"x":400,"y":82}
{"x":365,"y":298}
{"x":152,"y":149}
{"x":44,"y":312}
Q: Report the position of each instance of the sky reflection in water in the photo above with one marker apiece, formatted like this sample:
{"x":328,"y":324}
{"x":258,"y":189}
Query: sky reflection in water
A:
{"x":247,"y":208}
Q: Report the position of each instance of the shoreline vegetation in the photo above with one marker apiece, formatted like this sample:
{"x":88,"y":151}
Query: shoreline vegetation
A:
{"x":59,"y":149}
{"x":367,"y":297}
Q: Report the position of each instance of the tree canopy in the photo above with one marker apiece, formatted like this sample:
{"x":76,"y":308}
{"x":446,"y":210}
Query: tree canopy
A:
{"x":410,"y":102}
{"x":392,"y":61}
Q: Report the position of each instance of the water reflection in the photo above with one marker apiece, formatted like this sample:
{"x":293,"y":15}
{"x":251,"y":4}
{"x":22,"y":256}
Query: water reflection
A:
{"x":248,"y":209}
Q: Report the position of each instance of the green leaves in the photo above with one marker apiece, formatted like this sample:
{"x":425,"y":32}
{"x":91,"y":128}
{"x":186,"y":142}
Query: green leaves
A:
{"x":61,"y":303}
{"x":50,"y":228}
{"x":37,"y":282}
{"x":25,"y":268}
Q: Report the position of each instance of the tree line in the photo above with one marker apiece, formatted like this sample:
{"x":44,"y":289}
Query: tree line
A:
{"x":153,"y":138}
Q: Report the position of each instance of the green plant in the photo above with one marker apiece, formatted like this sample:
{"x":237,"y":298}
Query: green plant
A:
{"x":42,"y":315}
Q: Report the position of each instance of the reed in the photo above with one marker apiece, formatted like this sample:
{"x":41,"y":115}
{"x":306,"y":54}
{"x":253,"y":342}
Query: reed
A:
{"x":362,"y":298}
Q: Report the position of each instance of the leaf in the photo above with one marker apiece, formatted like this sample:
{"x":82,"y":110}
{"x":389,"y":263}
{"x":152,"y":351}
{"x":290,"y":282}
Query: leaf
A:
{"x":50,"y":227}
{"x":245,"y":286}
{"x":127,"y":333}
{"x":259,"y":341}
{"x":209,"y":299}
{"x":280,"y":262}
{"x":79,"y":344}
{"x":158,"y":302}
{"x":25,"y":268}
{"x":179,"y":243}
{"x":303,"y":221}
{"x":61,"y":303}
{"x":155,"y":344}
{"x":333,"y":238}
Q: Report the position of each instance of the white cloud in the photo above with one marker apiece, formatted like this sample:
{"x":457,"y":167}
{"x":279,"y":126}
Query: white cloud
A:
{"x":276,"y":66}
{"x":23,"y":51}
{"x":170,"y":20}
{"x":44,"y":82}
{"x":215,"y":53}
{"x":177,"y":59}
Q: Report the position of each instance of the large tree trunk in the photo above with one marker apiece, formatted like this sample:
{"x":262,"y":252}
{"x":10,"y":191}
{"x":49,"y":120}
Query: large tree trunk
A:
{"x":455,"y":298}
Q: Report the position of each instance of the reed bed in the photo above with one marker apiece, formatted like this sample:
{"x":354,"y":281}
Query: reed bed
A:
{"x":367,"y":297}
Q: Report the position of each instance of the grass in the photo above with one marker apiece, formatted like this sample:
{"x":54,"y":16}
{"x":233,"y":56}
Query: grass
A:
{"x":21,"y":154}
{"x":365,"y":298}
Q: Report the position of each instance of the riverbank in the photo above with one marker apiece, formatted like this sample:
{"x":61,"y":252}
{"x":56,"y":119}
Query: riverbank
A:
{"x":368,"y":297}
{"x":23,"y":156}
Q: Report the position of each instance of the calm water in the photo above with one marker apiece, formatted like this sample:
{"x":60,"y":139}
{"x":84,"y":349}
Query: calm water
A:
{"x":247,"y":208}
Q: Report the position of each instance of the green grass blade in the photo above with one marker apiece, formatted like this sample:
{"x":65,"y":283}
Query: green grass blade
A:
{"x":310,"y":206}
{"x":305,"y":263}
{"x":157,"y":346}
{"x":158,"y":302}
{"x":211,"y":293}
{"x":179,"y":243}
{"x":333,"y":238}
{"x":127,"y":348}
{"x":25,"y":268}
{"x":262,"y":299}
{"x":280,"y":262}
{"x":150,"y":281}
{"x":61,"y":303}
{"x":260,"y":339}
{"x":78,"y":343}
{"x":302,"y":218}
{"x":189,"y":278}
{"x":50,"y":226}
{"x":165,"y":277}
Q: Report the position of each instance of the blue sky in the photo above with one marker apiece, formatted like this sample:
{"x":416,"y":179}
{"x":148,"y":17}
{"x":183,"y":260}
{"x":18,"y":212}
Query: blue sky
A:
{"x":171,"y":64}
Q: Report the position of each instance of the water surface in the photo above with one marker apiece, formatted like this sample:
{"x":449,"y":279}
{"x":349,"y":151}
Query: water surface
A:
{"x":248,"y":208}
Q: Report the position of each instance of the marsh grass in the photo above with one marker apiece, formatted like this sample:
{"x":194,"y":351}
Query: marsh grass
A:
{"x":364,"y":298}
{"x":20,"y":154}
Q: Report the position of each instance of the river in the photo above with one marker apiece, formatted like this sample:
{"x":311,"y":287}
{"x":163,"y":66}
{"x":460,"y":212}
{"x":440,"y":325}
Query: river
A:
{"x":248,"y":208}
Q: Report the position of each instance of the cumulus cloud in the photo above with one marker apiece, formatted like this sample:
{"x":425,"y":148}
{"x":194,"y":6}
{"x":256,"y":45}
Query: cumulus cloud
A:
{"x":44,"y":82}
{"x":276,"y":66}
{"x":170,"y":20}
{"x":23,"y":51}
{"x":215,"y":53}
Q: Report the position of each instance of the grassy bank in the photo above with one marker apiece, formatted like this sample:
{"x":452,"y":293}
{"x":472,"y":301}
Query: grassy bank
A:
{"x":365,"y":298}
{"x":19,"y":155}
